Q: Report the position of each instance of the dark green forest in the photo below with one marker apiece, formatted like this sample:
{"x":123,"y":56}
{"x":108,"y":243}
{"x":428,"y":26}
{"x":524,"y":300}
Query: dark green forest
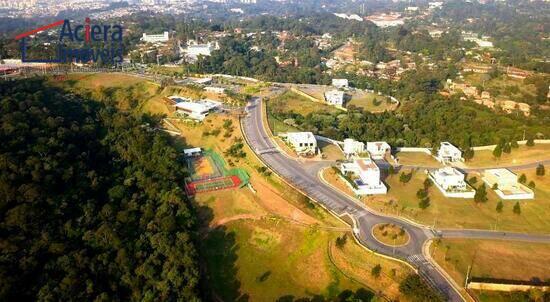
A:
{"x":90,"y":203}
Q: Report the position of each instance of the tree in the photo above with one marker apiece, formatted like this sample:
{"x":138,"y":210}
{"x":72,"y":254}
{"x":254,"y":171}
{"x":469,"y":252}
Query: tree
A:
{"x":376,"y":270}
{"x":495,"y":186}
{"x":522,"y":178}
{"x":468,"y":153}
{"x":540,"y":170}
{"x":427,"y":183}
{"x":421,"y":193}
{"x":414,"y":288}
{"x":507,"y":148}
{"x":341,"y":241}
{"x":481,"y":194}
{"x":424,"y":203}
{"x":391,"y":170}
{"x":530,"y":142}
{"x":500,"y":206}
{"x":497,"y":152}
{"x":405,"y":177}
{"x":517,"y":208}
{"x":531,"y":184}
{"x":514,"y":144}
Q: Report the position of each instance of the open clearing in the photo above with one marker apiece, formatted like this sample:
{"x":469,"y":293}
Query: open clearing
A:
{"x":370,"y":102}
{"x":292,"y":102}
{"x":521,"y":155}
{"x":465,"y":213}
{"x":417,"y":159}
{"x":521,"y":261}
{"x":330,"y":151}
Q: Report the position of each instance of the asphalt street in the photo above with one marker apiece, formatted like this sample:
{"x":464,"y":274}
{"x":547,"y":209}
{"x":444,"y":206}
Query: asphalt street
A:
{"x":307,"y":181}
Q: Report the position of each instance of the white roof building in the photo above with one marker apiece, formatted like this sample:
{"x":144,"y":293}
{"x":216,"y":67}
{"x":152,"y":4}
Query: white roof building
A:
{"x":304,"y":143}
{"x":369,"y":182}
{"x":214,"y":89}
{"x":335,"y":97}
{"x":194,"y":50}
{"x":449,"y":153}
{"x":507,"y":184}
{"x":197,"y":110}
{"x":378,"y":150}
{"x":155,"y":38}
{"x":340,"y":83}
{"x":353,"y":147}
{"x":451,"y":183}
{"x":192,"y":151}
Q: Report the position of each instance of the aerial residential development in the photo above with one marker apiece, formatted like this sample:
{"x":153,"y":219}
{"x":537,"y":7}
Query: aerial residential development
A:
{"x":274,"y":150}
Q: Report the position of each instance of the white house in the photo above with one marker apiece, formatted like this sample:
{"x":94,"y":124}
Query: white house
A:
{"x":451,"y":183}
{"x":378,"y":150}
{"x":353,"y":147}
{"x":449,"y":153}
{"x":340,"y":83}
{"x":304,"y":143}
{"x":507,"y":185}
{"x":192,"y":152}
{"x":335,"y":97}
{"x":368,"y":181}
{"x":194,"y":49}
{"x":155,"y":38}
{"x":197,"y":110}
{"x":214,"y":89}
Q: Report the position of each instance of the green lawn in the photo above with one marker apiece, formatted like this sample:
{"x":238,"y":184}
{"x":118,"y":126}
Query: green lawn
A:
{"x":465,"y":213}
{"x":366,"y":101}
{"x":521,"y":155}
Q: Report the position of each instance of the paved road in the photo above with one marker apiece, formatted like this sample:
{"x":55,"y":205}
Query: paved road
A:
{"x":307,"y":181}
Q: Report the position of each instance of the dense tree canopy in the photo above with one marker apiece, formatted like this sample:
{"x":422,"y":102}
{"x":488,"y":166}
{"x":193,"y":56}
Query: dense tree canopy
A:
{"x":90,"y":203}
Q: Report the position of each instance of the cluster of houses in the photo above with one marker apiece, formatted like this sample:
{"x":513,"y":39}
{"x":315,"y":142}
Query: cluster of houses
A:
{"x":484,"y":98}
{"x":362,"y":173}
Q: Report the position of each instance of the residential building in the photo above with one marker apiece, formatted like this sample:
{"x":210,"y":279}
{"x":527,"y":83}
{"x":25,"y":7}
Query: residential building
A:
{"x":449,"y":153}
{"x":214,"y":89}
{"x":451,"y":183}
{"x":353,"y":147}
{"x":378,"y":150}
{"x":340,"y":83}
{"x":366,"y":177}
{"x":506,"y":184}
{"x":192,"y":152}
{"x":304,"y":143}
{"x":197,"y":110}
{"x":335,"y":97}
{"x":164,"y":37}
{"x":194,"y":49}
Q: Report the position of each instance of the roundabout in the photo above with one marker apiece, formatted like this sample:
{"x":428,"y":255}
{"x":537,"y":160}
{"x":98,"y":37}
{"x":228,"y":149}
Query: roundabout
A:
{"x":390,"y":234}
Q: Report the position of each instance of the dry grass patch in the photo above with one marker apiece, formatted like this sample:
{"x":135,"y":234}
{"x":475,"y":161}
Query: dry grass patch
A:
{"x":521,"y":155}
{"x":417,"y":159}
{"x":493,"y":259}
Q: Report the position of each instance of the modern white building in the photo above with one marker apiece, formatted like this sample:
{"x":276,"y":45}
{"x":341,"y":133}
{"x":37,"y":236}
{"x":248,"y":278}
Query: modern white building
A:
{"x":164,"y":37}
{"x":378,"y":150}
{"x":451,"y":183}
{"x":304,"y":143}
{"x":366,"y":176}
{"x":449,"y":153}
{"x":197,"y":110}
{"x":340,"y":83}
{"x":214,"y":89}
{"x":507,"y":184}
{"x":194,"y":49}
{"x":335,"y":97}
{"x":192,"y":152}
{"x":353,"y":147}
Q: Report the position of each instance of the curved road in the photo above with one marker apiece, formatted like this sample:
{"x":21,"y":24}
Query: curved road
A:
{"x":305,"y":178}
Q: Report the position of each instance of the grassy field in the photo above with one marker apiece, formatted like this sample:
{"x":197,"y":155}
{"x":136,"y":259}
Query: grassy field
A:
{"x":493,"y":259}
{"x":366,"y":100}
{"x":521,"y":155}
{"x":465,"y":213}
{"x":292,"y":102}
{"x":417,"y":158}
{"x":503,"y":87}
{"x":390,"y":234}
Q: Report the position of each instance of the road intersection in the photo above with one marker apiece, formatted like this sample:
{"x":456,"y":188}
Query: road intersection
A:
{"x":305,"y":179}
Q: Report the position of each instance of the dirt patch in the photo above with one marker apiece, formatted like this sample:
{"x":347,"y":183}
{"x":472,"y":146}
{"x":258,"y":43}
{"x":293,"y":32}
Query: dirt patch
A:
{"x":274,"y":203}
